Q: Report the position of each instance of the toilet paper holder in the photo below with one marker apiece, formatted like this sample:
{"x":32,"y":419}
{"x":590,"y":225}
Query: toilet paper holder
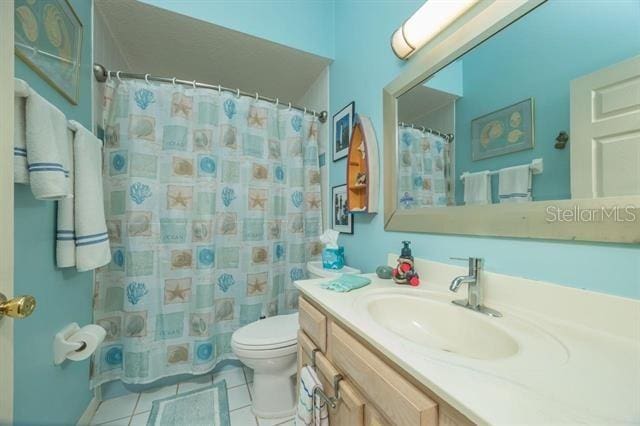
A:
{"x":62,"y":347}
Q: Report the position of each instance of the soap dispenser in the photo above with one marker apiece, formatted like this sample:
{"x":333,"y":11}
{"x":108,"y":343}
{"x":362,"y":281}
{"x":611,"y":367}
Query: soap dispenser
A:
{"x":405,"y":272}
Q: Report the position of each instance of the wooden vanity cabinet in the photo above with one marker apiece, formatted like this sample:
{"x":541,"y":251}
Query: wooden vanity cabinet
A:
{"x":373,"y":392}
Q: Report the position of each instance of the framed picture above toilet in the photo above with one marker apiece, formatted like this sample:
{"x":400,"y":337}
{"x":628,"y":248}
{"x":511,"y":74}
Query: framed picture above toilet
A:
{"x":341,"y":219}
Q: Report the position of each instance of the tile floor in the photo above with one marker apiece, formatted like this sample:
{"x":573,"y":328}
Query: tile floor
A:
{"x":133,"y":409}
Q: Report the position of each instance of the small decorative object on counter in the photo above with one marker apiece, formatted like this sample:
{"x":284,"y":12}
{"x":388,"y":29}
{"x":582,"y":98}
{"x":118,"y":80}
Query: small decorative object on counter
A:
{"x":405,"y":272}
{"x":384,"y":272}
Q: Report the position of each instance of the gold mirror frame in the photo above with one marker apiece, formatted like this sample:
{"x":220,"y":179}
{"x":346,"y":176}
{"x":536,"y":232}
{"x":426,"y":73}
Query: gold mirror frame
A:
{"x":526,"y":220}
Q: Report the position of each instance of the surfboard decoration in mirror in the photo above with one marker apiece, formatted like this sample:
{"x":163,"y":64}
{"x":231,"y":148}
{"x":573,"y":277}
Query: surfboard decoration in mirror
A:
{"x":362,"y":168}
{"x":460,"y":121}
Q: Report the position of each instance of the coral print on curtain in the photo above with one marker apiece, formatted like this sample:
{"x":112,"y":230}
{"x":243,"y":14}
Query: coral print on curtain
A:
{"x":423,"y":165}
{"x":213,"y":210}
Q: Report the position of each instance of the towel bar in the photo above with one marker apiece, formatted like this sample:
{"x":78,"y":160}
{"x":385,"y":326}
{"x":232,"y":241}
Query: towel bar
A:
{"x":331,"y":400}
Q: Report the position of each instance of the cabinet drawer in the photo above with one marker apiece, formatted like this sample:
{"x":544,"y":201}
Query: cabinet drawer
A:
{"x":314,"y":323}
{"x":394,"y":397}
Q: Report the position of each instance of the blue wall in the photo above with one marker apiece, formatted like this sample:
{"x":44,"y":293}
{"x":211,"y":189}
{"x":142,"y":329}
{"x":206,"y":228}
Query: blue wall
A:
{"x":363,"y":65}
{"x":302,"y":24}
{"x":537,"y":57}
{"x":44,"y":393}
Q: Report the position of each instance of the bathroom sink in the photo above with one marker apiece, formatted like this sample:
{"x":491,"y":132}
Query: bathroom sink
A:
{"x":438,"y":324}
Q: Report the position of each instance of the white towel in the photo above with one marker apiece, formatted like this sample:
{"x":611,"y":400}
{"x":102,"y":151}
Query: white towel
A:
{"x":48,"y":149}
{"x":477,"y":188}
{"x":312,"y":410}
{"x":514,"y":185}
{"x":20,"y":172}
{"x":82,"y":238}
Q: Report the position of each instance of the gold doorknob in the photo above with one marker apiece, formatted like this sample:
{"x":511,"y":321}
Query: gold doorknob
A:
{"x":18,"y":307}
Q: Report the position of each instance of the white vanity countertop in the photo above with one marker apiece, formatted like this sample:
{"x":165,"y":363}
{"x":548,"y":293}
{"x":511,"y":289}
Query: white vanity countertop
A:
{"x":591,"y":375}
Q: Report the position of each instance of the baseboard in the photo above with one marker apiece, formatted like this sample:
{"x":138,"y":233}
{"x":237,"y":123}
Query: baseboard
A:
{"x":90,"y":411}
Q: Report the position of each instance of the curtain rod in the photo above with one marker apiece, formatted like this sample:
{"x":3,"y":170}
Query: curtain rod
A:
{"x":448,"y":136}
{"x":102,"y":74}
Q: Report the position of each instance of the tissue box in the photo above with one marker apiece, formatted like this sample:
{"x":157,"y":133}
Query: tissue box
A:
{"x":333,"y":258}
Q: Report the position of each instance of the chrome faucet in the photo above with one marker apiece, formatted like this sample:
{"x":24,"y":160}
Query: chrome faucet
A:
{"x":474,"y":295}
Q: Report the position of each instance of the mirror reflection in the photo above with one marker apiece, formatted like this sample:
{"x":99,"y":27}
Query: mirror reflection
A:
{"x":542,"y":110}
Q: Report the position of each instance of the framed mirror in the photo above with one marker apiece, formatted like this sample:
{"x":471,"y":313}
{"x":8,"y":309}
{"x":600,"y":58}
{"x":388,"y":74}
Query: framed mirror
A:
{"x":521,"y":119}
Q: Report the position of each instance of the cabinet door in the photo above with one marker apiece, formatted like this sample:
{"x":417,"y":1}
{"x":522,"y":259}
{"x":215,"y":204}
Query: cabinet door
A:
{"x":373,"y":418}
{"x":350,"y":407}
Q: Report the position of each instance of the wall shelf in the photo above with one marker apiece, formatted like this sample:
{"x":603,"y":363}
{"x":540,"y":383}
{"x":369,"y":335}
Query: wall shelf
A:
{"x":363,"y":173}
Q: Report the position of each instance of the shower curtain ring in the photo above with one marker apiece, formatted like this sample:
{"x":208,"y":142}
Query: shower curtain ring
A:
{"x":109,"y":75}
{"x":173,"y":81}
{"x":146,"y":78}
{"x":193,"y":83}
{"x":289,"y":106}
{"x":277,"y":102}
{"x":118,"y":75}
{"x":219,"y":90}
{"x":238,"y":93}
{"x":305,"y":111}
{"x":257,"y":97}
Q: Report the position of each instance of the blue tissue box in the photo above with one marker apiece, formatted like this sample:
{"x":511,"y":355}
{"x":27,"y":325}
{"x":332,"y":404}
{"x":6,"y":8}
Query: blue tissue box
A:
{"x":333,"y":258}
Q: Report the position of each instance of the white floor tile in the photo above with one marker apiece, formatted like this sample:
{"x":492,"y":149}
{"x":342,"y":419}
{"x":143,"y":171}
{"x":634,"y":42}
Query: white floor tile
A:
{"x":147,"y":397}
{"x":119,"y":422}
{"x":238,"y":397}
{"x":234,"y":377}
{"x":194,"y":383}
{"x":273,"y":422}
{"x":248,"y":374}
{"x":140,"y":419}
{"x":242,"y":417}
{"x":115,"y":408}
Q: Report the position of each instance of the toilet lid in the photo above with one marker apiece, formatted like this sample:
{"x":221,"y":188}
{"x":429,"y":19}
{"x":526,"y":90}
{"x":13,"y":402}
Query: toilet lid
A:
{"x":268,"y":333}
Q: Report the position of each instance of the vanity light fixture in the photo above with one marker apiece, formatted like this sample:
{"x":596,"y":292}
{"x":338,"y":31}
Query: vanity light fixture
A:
{"x":427,"y":22}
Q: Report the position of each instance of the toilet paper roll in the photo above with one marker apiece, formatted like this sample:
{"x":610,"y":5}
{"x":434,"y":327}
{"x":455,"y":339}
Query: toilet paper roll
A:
{"x":91,"y":336}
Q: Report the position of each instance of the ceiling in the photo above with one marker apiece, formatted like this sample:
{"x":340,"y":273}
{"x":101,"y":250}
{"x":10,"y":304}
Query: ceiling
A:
{"x":163,"y":43}
{"x":420,"y":101}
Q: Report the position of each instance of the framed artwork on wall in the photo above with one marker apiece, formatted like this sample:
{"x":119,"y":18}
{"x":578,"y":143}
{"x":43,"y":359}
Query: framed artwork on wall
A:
{"x":48,"y":38}
{"x":342,"y":220}
{"x":503,"y":131}
{"x":342,"y":127}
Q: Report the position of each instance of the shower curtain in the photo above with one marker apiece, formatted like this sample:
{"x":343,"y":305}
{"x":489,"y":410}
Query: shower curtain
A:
{"x":213,"y":209}
{"x":423,"y":167}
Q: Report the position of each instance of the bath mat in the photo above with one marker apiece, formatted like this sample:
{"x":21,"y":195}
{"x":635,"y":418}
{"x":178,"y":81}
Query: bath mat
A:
{"x":202,"y":407}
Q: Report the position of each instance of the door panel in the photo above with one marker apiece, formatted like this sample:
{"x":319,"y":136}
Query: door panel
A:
{"x":6,"y":207}
{"x":605,"y":132}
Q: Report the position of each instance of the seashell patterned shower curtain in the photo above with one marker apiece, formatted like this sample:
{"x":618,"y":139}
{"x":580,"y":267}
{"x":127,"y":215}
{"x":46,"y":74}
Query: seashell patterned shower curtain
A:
{"x":424,"y":169}
{"x":213,"y":209}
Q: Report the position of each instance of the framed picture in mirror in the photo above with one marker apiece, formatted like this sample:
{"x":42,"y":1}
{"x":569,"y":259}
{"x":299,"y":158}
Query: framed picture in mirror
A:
{"x":507,"y":130}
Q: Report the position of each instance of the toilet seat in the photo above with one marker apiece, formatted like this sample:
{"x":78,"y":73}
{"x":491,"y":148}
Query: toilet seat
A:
{"x":273,"y":333}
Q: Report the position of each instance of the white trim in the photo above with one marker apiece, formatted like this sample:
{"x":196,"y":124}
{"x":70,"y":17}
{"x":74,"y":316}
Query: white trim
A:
{"x":6,"y":205}
{"x":89,"y":412}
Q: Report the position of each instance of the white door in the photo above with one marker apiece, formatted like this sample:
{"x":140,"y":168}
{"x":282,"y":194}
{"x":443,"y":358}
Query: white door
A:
{"x":6,"y":207}
{"x":605,"y":132}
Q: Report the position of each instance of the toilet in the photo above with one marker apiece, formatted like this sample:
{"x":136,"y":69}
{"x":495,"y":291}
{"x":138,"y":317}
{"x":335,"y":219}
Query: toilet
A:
{"x":317,"y":271}
{"x":269,"y":347}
